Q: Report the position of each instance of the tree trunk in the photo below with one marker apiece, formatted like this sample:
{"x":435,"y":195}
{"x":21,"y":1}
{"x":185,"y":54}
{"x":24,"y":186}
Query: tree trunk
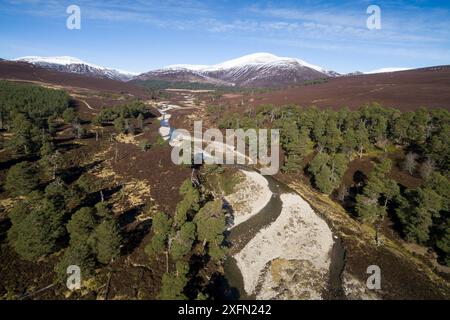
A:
{"x":107,"y":286}
{"x":167,"y":261}
{"x":55,"y":167}
{"x":377,"y":239}
{"x":117,"y":153}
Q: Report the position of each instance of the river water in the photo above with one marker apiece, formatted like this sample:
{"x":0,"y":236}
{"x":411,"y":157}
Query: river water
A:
{"x":239,"y":236}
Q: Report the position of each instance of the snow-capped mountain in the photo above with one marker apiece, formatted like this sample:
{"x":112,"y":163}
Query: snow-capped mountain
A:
{"x":255,"y":70}
{"x":75,"y":65}
{"x":387,"y":70}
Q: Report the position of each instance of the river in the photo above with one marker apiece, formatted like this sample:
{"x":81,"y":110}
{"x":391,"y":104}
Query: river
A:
{"x":239,"y":236}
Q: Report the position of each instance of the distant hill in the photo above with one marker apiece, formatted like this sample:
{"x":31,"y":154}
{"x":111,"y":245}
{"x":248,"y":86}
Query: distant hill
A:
{"x":75,"y":65}
{"x":16,"y":70}
{"x":405,"y":90}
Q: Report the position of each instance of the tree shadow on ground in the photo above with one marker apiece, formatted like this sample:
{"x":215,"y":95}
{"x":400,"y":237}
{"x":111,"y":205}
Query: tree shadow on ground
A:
{"x":5,"y":165}
{"x":129,"y":216}
{"x":133,"y":238}
{"x":71,"y":174}
{"x":220,"y":289}
{"x":68,"y":146}
{"x":196,"y":281}
{"x":95,"y":197}
{"x":5,"y":225}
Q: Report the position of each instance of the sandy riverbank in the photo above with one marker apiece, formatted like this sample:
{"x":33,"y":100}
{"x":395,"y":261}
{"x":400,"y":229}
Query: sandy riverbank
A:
{"x":253,"y":195}
{"x":298,"y":244}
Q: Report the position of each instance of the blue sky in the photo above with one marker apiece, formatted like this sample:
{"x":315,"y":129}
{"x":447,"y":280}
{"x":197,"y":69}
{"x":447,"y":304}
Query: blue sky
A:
{"x":142,"y":35}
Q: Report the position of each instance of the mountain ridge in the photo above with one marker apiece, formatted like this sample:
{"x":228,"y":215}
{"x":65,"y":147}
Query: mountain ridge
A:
{"x":78,"y":66}
{"x":260,"y":69}
{"x":254,"y":70}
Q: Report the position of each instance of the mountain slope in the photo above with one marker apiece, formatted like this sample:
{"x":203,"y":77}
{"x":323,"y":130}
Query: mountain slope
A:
{"x":255,"y":70}
{"x":406,"y":90}
{"x":181,"y":75}
{"x":387,"y":70}
{"x":23,"y":71}
{"x":267,"y":74}
{"x":75,"y":65}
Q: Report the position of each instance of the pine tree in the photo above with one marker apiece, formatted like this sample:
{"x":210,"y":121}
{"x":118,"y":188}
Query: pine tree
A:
{"x":328,"y":171}
{"x":158,"y":244}
{"x":443,"y":241}
{"x":161,"y":226}
{"x":319,"y":161}
{"x":416,"y":213}
{"x":102,"y":211}
{"x":172,"y":287}
{"x":439,"y":184}
{"x":69,"y":115}
{"x":58,"y":193}
{"x":378,"y":187}
{"x":107,"y":241}
{"x":362,"y":139}
{"x":21,"y":141}
{"x":81,"y":226}
{"x":322,"y":180}
{"x":210,"y":222}
{"x":47,"y":149}
{"x":182,"y":243}
{"x":120,"y":125}
{"x":297,"y":150}
{"x":338,"y":164}
{"x":367,"y":208}
{"x":35,"y":228}
{"x":333,"y":136}
{"x":349,"y":143}
{"x":21,"y":179}
{"x":190,"y":202}
{"x":402,"y":125}
{"x":79,"y":255}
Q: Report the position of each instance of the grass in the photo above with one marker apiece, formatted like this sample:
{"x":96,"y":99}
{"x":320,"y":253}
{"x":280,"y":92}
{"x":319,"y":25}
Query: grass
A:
{"x":374,"y":151}
{"x":160,"y":141}
{"x":225,"y":181}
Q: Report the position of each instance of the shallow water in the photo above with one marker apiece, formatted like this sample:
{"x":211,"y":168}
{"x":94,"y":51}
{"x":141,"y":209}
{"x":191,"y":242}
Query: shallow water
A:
{"x":240,"y":235}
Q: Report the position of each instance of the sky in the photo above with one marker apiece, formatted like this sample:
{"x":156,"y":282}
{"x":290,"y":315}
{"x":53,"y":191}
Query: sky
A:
{"x":143,"y":35}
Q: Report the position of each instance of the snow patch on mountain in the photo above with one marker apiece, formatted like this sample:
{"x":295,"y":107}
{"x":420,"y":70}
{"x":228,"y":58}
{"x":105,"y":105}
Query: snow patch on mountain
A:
{"x":255,"y":59}
{"x":75,"y":65}
{"x":63,"y":60}
{"x":386,"y":70}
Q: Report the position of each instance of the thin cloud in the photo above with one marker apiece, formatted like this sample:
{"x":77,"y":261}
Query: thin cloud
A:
{"x":407,"y":28}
